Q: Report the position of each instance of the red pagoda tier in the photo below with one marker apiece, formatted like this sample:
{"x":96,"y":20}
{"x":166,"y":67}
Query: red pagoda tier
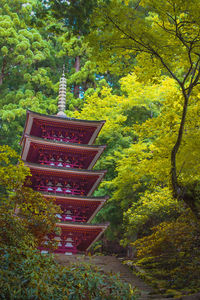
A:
{"x":77,"y":208}
{"x":77,"y":237}
{"x":59,"y":152}
{"x":56,"y":128}
{"x":67,"y":181}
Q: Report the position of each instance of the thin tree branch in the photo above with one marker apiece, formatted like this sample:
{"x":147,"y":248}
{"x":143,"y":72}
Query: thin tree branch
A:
{"x":193,"y":73}
{"x":147,"y":47}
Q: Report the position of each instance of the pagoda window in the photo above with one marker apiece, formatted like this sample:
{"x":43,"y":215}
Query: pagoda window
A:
{"x":59,"y":186}
{"x":60,"y":160}
{"x":79,"y":214}
{"x":73,"y":135}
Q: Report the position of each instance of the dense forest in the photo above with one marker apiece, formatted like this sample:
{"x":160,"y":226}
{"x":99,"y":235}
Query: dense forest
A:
{"x":135,"y":64}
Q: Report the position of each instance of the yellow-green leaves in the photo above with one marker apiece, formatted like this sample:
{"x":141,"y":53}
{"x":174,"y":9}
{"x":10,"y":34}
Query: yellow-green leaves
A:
{"x":152,"y":207}
{"x":162,"y":36}
{"x":12,"y":176}
{"x":38,"y":213}
{"x":141,"y":165}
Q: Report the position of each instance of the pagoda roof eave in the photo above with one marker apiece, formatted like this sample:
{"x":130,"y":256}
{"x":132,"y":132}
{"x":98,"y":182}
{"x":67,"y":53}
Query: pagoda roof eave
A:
{"x":96,"y":211}
{"x":61,"y":119}
{"x":103,"y":227}
{"x":82,"y":225}
{"x":74,"y":197}
{"x":65,"y":118}
{"x":28,"y":139}
{"x":68,"y":171}
{"x":63,"y":169}
{"x":63,"y":144}
{"x":62,"y":197}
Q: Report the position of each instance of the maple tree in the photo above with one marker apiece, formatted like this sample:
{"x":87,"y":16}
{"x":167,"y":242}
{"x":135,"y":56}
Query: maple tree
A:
{"x":136,"y":104}
{"x":163,"y":36}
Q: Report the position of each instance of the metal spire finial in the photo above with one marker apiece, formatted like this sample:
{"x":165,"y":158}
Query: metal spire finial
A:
{"x":62,"y":95}
{"x":64,"y":69}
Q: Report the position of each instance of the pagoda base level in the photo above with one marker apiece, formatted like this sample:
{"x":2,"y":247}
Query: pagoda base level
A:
{"x":66,"y":251}
{"x":74,"y":237}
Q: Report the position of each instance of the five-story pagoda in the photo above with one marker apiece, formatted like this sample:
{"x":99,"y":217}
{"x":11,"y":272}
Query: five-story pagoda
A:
{"x":60,"y":154}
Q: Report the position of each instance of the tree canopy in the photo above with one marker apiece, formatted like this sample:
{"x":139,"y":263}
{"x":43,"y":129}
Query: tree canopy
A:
{"x":136,"y":64}
{"x":164,"y":34}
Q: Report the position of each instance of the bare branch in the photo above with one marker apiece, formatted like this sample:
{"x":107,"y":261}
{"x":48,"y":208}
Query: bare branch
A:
{"x":194,"y":72}
{"x":166,"y":66}
{"x":179,"y":173}
{"x":125,"y":33}
{"x":195,"y":82}
{"x":147,"y":48}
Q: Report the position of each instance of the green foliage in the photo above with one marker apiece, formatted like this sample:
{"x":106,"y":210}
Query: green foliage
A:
{"x":163,"y":36}
{"x":19,"y":44}
{"x":120,"y":113}
{"x":142,"y":185}
{"x":13,"y":232}
{"x":26,"y":274}
{"x":37,"y":213}
{"x":170,"y":255}
{"x":12,"y":175}
{"x":25,"y":77}
{"x":152,"y":31}
{"x":152,"y":208}
{"x":75,"y":13}
{"x":80,"y":70}
{"x":31,"y":64}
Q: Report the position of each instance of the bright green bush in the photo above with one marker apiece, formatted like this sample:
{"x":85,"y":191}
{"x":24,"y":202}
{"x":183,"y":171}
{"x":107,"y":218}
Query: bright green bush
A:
{"x":170,"y":256}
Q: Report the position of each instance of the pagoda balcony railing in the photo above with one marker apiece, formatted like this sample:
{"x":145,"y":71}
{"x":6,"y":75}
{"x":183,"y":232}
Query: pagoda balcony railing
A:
{"x":60,"y":139}
{"x":67,"y":136}
{"x":60,"y":190}
{"x":62,"y":249}
{"x":71,"y":218}
{"x":74,"y":165}
{"x":64,"y":245}
{"x":63,"y":138}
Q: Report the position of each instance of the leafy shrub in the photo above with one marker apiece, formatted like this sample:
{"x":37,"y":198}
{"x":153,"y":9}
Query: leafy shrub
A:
{"x":171,"y":255}
{"x":30,"y":275}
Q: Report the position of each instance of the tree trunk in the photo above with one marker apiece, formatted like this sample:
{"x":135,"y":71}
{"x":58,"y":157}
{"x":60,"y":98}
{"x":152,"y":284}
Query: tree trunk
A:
{"x":180,"y":192}
{"x":174,"y":179}
{"x":77,"y":68}
{"x":3,"y":71}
